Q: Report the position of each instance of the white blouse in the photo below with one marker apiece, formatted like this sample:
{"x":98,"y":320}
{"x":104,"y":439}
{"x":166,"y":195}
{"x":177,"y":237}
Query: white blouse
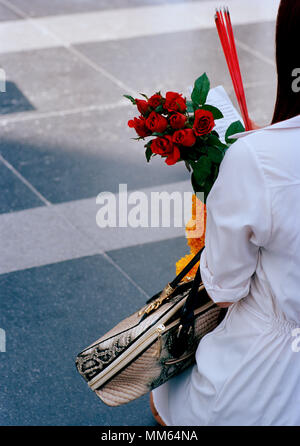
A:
{"x":247,"y":370}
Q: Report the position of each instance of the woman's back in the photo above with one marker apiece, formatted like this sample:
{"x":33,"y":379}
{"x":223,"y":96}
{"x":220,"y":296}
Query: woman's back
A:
{"x":247,"y":371}
{"x":278,"y":154}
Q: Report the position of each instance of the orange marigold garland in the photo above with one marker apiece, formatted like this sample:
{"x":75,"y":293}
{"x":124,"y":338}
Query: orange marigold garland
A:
{"x":195,"y":232}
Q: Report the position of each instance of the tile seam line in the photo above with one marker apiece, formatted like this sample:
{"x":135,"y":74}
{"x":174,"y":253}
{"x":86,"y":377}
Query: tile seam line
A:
{"x":125,"y":88}
{"x":102,"y":254}
{"x":70,"y":223}
{"x":32,"y":116}
{"x":257,"y":54}
{"x":24,"y":181}
{"x":72,"y":50}
{"x":100,"y":251}
{"x":13,"y":8}
{"x":95,"y":66}
{"x":129,"y":278}
{"x":4,"y":120}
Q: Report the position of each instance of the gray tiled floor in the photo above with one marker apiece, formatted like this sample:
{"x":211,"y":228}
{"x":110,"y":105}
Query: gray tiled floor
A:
{"x":259,"y":37}
{"x":14,"y":194}
{"x":50,"y":314}
{"x":174,"y":68}
{"x":14,"y":100}
{"x":152,"y":264}
{"x":7,"y":14}
{"x":66,"y":83}
{"x":72,"y":157}
{"x":87,"y":153}
{"x":39,"y":8}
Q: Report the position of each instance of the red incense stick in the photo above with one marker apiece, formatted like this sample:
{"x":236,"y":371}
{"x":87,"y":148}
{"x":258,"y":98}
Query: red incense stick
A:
{"x":225,"y":31}
{"x":226,"y":49}
{"x":236,"y":61}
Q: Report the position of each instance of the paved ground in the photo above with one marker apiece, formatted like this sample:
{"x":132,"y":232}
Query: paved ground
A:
{"x":64,"y":139}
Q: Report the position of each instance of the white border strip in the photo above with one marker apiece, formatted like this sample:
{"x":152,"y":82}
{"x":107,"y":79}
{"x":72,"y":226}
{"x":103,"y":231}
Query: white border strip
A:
{"x":54,"y":233}
{"x":100,"y":26}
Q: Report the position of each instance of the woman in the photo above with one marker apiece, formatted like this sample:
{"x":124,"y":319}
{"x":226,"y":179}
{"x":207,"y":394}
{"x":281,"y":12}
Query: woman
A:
{"x":247,"y":370}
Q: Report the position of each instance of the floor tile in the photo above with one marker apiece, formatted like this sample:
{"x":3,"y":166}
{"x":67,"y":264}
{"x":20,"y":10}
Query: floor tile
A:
{"x":37,"y":237}
{"x":50,"y":314}
{"x":58,"y":80}
{"x":83,"y":215}
{"x":173,"y":61}
{"x":13,"y":100}
{"x":152,"y":265}
{"x":20,"y":34}
{"x":259,"y":37}
{"x":15,"y":195}
{"x":73,"y":157}
{"x":73,"y":231}
{"x":39,"y":8}
{"x":116,"y":24}
{"x":7,"y":14}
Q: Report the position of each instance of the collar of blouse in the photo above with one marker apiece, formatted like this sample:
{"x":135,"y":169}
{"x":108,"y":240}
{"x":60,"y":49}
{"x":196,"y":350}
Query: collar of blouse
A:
{"x":288,"y":124}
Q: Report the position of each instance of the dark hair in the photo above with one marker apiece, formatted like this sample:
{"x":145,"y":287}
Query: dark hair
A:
{"x":287,"y":59}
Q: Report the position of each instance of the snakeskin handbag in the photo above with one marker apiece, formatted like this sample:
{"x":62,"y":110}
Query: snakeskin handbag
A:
{"x":152,"y":345}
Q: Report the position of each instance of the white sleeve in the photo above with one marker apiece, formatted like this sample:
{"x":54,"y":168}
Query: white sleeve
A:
{"x":238,"y":224}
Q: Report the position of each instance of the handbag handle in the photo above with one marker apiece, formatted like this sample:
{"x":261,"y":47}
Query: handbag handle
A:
{"x":156,"y":300}
{"x":187,"y":314}
{"x":171,"y":286}
{"x":186,"y":269}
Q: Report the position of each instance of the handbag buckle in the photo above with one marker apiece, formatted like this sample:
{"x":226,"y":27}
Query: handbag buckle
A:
{"x":165,"y":294}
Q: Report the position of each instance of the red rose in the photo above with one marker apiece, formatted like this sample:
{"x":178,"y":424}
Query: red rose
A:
{"x":177,"y":120}
{"x":142,"y":106}
{"x":156,"y":122}
{"x":139,"y":124}
{"x":175,"y":102}
{"x":164,"y":146}
{"x":184,"y":137}
{"x":155,"y":100}
{"x":204,"y":122}
{"x":174,"y":156}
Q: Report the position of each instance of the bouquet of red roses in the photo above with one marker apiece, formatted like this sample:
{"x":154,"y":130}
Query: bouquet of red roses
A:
{"x":183,"y":130}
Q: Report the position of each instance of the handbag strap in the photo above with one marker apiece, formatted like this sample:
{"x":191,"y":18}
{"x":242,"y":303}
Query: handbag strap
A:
{"x":186,"y":269}
{"x":187,"y":315}
{"x":171,"y":286}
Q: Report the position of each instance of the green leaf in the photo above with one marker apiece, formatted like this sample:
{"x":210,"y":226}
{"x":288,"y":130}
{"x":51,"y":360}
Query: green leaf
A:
{"x":217,"y":114}
{"x":148,"y":153}
{"x":199,"y":149}
{"x":144,"y":95}
{"x":215,"y":154}
{"x":235,"y":127}
{"x":159,"y":109}
{"x":201,"y":169}
{"x":201,"y":89}
{"x":158,"y":134}
{"x":196,"y":186}
{"x":127,"y":96}
{"x":213,"y":140}
{"x":189,"y":107}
